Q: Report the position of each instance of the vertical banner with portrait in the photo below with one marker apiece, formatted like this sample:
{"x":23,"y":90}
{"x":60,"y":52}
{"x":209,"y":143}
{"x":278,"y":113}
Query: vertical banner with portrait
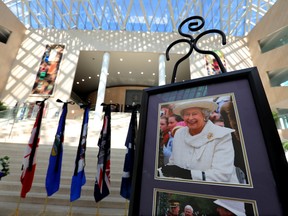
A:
{"x":48,"y":70}
{"x":212,"y":66}
{"x":214,"y":137}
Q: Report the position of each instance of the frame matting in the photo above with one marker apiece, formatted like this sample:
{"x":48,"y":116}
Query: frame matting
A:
{"x":263,"y":158}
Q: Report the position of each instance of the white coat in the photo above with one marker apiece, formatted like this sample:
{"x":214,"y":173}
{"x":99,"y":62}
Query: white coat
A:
{"x":209,"y":155}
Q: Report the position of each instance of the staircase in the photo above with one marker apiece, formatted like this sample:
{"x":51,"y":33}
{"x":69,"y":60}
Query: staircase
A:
{"x":36,"y":201}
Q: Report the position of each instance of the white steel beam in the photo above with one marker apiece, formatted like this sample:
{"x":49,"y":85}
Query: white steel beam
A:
{"x":88,"y":15}
{"x":127,"y":14}
{"x":172,"y":17}
{"x":144,"y":14}
{"x":117,"y":12}
{"x":31,"y":13}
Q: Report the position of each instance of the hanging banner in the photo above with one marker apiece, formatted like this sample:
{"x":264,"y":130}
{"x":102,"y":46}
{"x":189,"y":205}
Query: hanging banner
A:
{"x":47,"y":73}
{"x":212,"y":64}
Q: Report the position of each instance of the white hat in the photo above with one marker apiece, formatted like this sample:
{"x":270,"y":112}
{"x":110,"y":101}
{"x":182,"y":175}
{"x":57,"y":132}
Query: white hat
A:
{"x":204,"y":103}
{"x":235,"y":207}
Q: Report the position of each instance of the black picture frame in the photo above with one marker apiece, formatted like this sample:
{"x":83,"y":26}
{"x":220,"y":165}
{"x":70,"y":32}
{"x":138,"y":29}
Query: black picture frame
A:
{"x":265,"y":154}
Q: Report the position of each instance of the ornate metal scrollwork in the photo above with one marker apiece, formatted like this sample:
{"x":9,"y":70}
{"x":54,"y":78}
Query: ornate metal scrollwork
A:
{"x":194,"y":25}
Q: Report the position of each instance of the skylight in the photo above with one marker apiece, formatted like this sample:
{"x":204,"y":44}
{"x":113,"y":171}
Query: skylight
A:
{"x":233,"y":17}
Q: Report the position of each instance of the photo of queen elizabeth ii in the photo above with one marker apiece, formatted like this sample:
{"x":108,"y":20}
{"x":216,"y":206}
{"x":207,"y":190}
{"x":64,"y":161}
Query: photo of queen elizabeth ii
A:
{"x":204,"y":145}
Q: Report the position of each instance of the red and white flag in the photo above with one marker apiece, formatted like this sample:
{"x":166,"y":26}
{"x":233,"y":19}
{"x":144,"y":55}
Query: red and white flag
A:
{"x":29,"y":160}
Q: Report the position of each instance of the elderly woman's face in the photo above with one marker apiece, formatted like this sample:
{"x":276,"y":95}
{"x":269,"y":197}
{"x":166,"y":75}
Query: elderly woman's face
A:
{"x":188,"y":212}
{"x":194,"y":119}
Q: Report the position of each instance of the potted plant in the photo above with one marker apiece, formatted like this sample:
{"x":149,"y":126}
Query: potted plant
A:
{"x":4,"y":163}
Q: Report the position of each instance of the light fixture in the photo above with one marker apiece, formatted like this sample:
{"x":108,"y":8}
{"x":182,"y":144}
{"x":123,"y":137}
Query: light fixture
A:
{"x":130,"y":72}
{"x":149,"y":60}
{"x":118,"y":72}
{"x":89,"y":77}
{"x":83,"y":80}
{"x":153,"y":74}
{"x":121,"y":59}
{"x":142,"y":72}
{"x":77,"y":83}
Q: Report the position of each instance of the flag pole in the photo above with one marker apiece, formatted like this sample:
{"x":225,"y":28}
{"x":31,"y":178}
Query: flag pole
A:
{"x":70,"y":210}
{"x":45,"y":205}
{"x":17,"y":208}
{"x":126,"y":207}
{"x":97,"y":212}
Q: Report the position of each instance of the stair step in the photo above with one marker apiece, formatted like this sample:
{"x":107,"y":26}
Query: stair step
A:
{"x":64,"y":188}
{"x":28,"y":209}
{"x":52,"y":210}
{"x":63,"y":200}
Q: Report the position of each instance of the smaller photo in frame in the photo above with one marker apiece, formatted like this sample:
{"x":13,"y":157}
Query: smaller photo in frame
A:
{"x":170,"y":203}
{"x":200,"y":140}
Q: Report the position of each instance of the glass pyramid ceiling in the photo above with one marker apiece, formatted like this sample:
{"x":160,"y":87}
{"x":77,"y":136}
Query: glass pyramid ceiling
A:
{"x":233,"y":17}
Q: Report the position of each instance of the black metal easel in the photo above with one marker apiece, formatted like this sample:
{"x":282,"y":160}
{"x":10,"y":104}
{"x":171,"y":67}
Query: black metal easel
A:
{"x":194,"y":25}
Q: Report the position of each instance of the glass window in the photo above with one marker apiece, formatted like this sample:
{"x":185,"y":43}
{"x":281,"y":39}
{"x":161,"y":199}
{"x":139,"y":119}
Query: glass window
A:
{"x":278,"y":77}
{"x":4,"y":34}
{"x":274,"y":40}
{"x":283,"y":118}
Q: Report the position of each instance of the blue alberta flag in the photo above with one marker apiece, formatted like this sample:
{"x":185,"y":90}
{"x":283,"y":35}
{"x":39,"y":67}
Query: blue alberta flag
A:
{"x":102,"y":182}
{"x":126,"y":183}
{"x":55,"y":161}
{"x":79,"y":179}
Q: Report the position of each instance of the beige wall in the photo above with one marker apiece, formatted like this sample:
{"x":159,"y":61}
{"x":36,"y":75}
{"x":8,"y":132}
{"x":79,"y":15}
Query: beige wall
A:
{"x":9,"y":50}
{"x":112,"y":95}
{"x":115,"y":94}
{"x":275,"y":19}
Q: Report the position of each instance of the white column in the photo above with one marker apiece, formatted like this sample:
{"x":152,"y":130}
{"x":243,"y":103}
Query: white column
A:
{"x":162,"y":78}
{"x":101,"y":90}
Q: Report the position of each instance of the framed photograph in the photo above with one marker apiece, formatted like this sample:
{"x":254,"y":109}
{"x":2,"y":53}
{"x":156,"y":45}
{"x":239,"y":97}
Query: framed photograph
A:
{"x":214,"y":136}
{"x":227,"y":164}
{"x":47,"y":73}
{"x":175,"y":203}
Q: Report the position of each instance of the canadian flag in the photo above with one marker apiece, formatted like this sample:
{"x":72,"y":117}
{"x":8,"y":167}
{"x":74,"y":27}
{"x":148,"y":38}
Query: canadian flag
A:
{"x":29,"y":159}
